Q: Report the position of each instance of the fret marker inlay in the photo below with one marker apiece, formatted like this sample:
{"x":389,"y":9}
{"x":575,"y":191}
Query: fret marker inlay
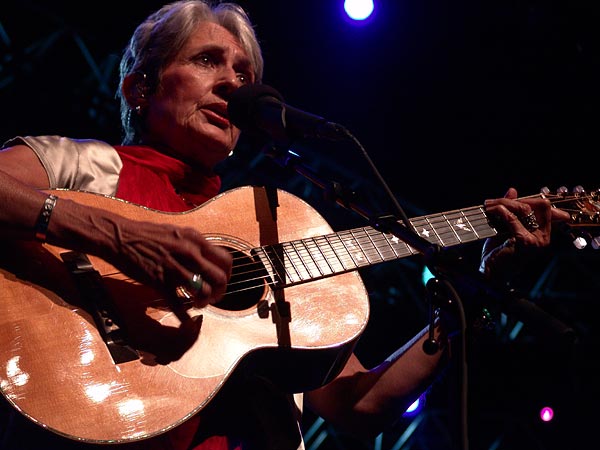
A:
{"x":460,"y":225}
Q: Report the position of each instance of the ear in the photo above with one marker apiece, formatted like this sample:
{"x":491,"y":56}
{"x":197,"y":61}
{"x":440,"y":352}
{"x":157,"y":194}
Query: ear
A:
{"x":135,"y":89}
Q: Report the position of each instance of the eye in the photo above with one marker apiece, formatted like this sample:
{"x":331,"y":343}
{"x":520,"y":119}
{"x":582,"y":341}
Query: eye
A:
{"x":243,"y":78}
{"x":205,"y":59}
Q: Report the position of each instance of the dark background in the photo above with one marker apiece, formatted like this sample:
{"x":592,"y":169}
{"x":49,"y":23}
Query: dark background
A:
{"x":453,"y":101}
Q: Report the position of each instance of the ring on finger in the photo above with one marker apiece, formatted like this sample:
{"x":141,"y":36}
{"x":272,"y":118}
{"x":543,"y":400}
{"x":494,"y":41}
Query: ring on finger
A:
{"x":530,"y":222}
{"x":183,"y":292}
{"x":195,"y":284}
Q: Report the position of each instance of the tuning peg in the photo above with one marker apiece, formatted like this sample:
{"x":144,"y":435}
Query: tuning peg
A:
{"x":596,"y":243}
{"x":563,"y":190}
{"x":580,"y":243}
{"x":578,"y":190}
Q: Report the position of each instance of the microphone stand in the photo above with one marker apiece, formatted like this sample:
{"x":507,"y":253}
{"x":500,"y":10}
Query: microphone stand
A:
{"x":442,"y":264}
{"x":334,"y":191}
{"x":440,"y":291}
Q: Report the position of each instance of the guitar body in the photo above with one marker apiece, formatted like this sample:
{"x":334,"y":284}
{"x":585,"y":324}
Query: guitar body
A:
{"x":55,"y":366}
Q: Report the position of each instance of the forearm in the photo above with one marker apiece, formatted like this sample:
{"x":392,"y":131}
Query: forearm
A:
{"x":21,"y":206}
{"x":70,"y":225}
{"x":365,"y":402}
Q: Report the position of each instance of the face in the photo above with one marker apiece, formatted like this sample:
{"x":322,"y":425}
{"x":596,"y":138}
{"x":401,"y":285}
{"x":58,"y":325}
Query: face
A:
{"x":187,"y":116}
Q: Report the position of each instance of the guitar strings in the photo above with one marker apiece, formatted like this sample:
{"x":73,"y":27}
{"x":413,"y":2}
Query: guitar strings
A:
{"x":313,"y":258}
{"x":295,"y":262}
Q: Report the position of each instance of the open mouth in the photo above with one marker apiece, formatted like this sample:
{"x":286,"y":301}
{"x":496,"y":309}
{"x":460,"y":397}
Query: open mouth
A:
{"x":216,"y":118}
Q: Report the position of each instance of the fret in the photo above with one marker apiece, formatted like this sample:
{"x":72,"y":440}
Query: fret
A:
{"x":461,"y":226}
{"x":422,"y":228}
{"x":341,"y":251}
{"x":401,"y":248}
{"x":295,"y":261}
{"x":366,"y":246}
{"x":353,"y":249}
{"x":383,"y":244}
{"x":333,"y":258}
{"x":281,"y":264}
{"x":452,"y":235}
{"x":275,"y":274}
{"x":482,"y":224}
{"x":436,"y":229}
{"x":318,"y":263}
{"x":445,"y":234}
{"x":372,"y":250}
{"x":318,"y":260}
{"x":318,"y":257}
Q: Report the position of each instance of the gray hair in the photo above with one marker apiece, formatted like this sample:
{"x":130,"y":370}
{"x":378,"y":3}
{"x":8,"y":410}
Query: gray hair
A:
{"x":158,"y":40}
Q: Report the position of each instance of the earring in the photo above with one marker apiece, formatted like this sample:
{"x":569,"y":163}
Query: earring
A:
{"x":138,"y":110}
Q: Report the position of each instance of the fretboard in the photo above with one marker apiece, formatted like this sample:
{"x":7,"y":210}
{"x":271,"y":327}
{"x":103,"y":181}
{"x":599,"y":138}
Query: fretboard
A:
{"x":309,"y":259}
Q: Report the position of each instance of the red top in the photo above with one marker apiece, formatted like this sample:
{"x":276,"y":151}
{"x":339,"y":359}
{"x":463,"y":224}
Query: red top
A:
{"x":162,"y":179}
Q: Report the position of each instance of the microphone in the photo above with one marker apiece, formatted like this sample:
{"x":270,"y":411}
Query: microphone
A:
{"x":258,"y":107}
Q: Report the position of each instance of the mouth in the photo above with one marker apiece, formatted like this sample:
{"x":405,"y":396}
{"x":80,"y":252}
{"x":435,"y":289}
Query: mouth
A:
{"x":216,"y":114}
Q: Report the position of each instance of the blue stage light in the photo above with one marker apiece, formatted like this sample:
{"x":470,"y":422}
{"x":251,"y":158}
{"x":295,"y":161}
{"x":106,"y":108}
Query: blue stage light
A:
{"x":359,"y":9}
{"x":416,"y":407}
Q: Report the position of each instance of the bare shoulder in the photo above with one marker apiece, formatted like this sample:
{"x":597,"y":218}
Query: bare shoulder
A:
{"x":21,"y":162}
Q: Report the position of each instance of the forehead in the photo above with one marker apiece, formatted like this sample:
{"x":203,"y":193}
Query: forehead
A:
{"x":212,"y":34}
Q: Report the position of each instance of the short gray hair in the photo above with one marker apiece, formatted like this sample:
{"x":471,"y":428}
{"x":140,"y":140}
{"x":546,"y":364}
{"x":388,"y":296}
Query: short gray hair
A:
{"x":158,"y":40}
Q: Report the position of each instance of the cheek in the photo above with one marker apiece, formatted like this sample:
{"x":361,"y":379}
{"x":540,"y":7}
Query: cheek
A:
{"x":170,"y":108}
{"x":235,"y":134}
{"x":179,"y":90}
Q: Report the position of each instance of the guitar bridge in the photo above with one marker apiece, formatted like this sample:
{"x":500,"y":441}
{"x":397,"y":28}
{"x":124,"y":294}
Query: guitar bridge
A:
{"x":97,"y":303}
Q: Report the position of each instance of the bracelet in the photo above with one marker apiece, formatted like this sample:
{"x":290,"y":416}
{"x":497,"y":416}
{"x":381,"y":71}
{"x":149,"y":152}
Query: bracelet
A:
{"x":41,"y":225}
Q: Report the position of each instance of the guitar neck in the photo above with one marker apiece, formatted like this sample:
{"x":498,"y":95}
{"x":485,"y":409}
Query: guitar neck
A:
{"x":309,"y":259}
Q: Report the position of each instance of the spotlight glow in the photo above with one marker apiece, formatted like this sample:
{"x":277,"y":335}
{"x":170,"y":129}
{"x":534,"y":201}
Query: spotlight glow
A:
{"x":359,"y":9}
{"x":546,"y":414}
{"x":416,"y":407}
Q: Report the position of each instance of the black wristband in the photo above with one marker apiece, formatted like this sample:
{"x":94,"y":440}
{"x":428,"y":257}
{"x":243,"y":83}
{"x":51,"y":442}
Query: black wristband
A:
{"x":41,"y":225}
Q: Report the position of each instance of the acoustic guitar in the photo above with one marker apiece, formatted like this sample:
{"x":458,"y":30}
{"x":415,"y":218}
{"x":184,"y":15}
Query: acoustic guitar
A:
{"x":92,"y":355}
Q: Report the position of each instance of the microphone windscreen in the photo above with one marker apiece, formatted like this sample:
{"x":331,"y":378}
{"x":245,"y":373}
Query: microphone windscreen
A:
{"x":242,"y":104}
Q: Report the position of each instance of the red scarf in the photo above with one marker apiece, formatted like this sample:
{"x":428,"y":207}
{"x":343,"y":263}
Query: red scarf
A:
{"x":156,"y":180}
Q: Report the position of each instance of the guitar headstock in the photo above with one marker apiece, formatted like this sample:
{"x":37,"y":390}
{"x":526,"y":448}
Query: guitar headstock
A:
{"x":584,"y":208}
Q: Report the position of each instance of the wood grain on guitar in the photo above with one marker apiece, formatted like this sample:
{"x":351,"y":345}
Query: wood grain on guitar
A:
{"x":109,"y":362}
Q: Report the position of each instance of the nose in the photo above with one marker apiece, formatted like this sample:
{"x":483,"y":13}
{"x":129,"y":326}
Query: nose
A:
{"x":227,"y":82}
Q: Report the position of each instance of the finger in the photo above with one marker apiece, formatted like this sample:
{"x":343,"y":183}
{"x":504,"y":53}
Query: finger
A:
{"x":514,"y":226}
{"x":219,"y":256}
{"x":502,"y":207}
{"x":215,"y":268}
{"x":511,"y":193}
{"x":530,"y":222}
{"x":559,"y":215}
{"x":510,"y":219}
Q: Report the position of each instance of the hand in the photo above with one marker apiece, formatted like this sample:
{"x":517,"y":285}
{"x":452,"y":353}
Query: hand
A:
{"x":167,"y":257}
{"x":498,"y":257}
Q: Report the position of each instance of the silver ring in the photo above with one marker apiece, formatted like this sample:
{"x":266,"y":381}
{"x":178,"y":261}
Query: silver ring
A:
{"x":182,"y":292}
{"x":530,"y":222}
{"x":192,"y":290}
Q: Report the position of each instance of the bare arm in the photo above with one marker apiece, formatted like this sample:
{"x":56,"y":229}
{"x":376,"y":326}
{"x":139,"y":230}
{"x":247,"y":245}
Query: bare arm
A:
{"x":162,"y":255}
{"x":498,"y":257}
{"x":365,"y":402}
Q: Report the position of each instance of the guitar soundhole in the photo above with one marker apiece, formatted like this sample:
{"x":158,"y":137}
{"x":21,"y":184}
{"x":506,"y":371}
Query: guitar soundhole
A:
{"x":247,"y":285}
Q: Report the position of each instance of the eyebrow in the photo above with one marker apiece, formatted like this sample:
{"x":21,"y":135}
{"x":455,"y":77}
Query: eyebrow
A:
{"x":221,"y":50}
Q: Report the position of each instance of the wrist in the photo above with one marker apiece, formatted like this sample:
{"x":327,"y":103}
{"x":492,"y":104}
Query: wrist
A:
{"x":43,"y":221}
